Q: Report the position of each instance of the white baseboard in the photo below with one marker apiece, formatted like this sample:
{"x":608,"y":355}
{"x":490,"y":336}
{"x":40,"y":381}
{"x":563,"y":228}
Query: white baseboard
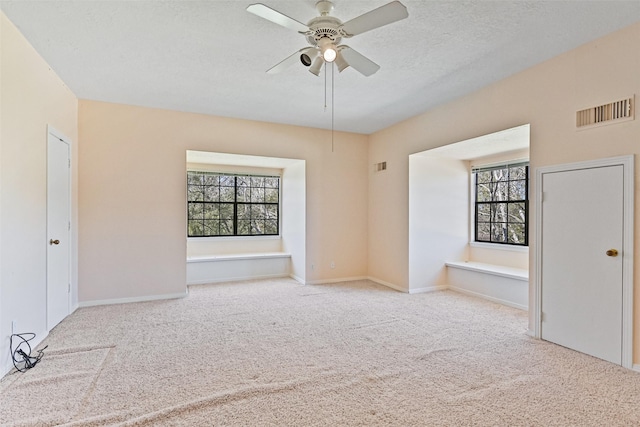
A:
{"x":408,"y":291}
{"x":297,"y":279}
{"x":132,"y":299}
{"x":236,"y":279}
{"x":327,"y":281}
{"x":493,"y":299}
{"x":6,"y":368}
{"x":428,"y":289}
{"x":388,"y":284}
{"x":636,"y":368}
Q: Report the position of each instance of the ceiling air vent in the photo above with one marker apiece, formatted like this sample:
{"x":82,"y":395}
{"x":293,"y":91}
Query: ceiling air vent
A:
{"x":612,"y":112}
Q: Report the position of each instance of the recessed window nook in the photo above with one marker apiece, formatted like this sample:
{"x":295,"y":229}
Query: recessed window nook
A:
{"x":218,"y":259}
{"x":441,"y":220}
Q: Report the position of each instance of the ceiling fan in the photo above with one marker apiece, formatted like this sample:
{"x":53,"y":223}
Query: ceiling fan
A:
{"x":324,"y":34}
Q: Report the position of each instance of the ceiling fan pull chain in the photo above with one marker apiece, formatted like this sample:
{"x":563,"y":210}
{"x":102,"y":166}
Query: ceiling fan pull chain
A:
{"x":332,"y":103}
{"x":325,"y":87}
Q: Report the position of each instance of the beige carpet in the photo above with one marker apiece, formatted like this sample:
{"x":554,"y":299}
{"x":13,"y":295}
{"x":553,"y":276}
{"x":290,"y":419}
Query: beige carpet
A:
{"x":275,"y":353}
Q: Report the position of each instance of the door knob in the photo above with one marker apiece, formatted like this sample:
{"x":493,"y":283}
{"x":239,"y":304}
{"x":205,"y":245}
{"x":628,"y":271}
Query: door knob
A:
{"x":54,"y":242}
{"x":612,"y":252}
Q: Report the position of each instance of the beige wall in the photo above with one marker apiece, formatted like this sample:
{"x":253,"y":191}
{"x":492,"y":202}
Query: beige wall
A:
{"x":546,"y":96}
{"x":32,"y":96}
{"x":132,"y":194}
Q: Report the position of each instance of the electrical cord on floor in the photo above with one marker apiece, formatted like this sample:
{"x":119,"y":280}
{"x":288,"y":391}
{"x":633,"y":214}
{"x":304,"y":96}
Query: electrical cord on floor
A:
{"x":22,"y":360}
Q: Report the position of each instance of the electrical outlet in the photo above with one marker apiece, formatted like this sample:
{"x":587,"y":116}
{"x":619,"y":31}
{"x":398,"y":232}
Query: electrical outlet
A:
{"x":14,"y":327}
{"x":313,"y":267}
{"x":333,"y":264}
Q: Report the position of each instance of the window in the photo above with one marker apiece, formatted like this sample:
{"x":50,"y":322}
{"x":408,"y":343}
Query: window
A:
{"x":220,"y":204}
{"x":501,"y":205}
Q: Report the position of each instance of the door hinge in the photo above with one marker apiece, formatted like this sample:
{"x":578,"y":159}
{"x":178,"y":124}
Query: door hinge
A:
{"x":69,"y":163}
{"x":69,"y":288}
{"x":69,"y":225}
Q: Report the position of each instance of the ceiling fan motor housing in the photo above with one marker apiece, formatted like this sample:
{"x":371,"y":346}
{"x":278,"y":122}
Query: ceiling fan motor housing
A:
{"x":323,"y":29}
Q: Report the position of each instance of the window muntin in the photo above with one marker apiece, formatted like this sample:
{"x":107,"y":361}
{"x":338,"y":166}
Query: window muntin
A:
{"x":501,"y":204}
{"x":220,"y":204}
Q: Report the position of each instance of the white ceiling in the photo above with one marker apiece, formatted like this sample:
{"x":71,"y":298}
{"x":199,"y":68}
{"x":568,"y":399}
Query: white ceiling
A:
{"x":508,"y":140}
{"x":211,"y":56}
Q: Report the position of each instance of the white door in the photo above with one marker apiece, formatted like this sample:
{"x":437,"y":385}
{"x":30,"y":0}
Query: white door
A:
{"x":582,"y":283}
{"x":58,"y":230}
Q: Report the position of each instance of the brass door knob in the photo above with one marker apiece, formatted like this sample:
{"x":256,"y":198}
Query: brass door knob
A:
{"x":54,"y":242}
{"x":612,"y":252}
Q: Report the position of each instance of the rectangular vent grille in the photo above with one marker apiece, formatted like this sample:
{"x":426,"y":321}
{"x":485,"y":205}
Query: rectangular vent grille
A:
{"x":379,"y":167}
{"x":604,"y":114}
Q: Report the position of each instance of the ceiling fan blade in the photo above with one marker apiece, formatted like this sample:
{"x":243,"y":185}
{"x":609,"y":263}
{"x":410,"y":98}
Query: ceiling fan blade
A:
{"x":276,"y":17}
{"x":286,"y":63}
{"x":359,"y":62}
{"x":376,"y":18}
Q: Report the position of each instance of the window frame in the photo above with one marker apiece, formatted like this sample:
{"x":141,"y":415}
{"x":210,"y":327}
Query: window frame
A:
{"x":475,"y":206}
{"x":235,"y":204}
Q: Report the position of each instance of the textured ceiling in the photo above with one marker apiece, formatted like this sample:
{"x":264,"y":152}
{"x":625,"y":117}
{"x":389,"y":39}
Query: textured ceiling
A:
{"x":211,"y":56}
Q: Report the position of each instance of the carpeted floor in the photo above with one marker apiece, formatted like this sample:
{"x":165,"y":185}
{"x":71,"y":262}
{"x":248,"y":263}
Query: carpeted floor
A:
{"x":275,"y":353}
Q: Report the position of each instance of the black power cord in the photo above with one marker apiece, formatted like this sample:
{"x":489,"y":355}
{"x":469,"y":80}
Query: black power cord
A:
{"x":22,"y":360}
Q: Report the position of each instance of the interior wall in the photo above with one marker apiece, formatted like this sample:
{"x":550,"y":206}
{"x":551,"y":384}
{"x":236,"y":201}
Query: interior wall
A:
{"x":505,"y":256}
{"x":438,"y":218}
{"x":133,"y":192}
{"x":388,"y":215}
{"x":294,"y":218}
{"x":546,"y":96}
{"x":32,"y":96}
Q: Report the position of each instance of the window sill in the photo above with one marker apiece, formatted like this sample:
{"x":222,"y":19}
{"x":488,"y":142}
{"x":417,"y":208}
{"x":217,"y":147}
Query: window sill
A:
{"x":219,"y":239}
{"x":496,"y":270}
{"x":499,"y":247}
{"x":235,"y":257}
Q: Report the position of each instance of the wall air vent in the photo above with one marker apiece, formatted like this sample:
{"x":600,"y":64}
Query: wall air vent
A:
{"x":612,"y":112}
{"x":379,"y":167}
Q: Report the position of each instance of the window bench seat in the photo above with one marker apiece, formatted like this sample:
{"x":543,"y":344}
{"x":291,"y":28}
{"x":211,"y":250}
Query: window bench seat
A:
{"x":504,"y":285}
{"x":225,"y":268}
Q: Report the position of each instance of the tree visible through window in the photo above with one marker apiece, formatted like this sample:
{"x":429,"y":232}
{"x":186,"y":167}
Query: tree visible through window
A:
{"x":502,"y":204}
{"x":221,"y":204}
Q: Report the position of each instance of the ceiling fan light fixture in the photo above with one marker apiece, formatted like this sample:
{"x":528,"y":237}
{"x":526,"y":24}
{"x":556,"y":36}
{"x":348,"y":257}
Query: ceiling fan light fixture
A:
{"x":340,"y":62}
{"x":308,"y":56}
{"x":316,"y":66}
{"x":329,"y":52}
{"x":305,"y":59}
